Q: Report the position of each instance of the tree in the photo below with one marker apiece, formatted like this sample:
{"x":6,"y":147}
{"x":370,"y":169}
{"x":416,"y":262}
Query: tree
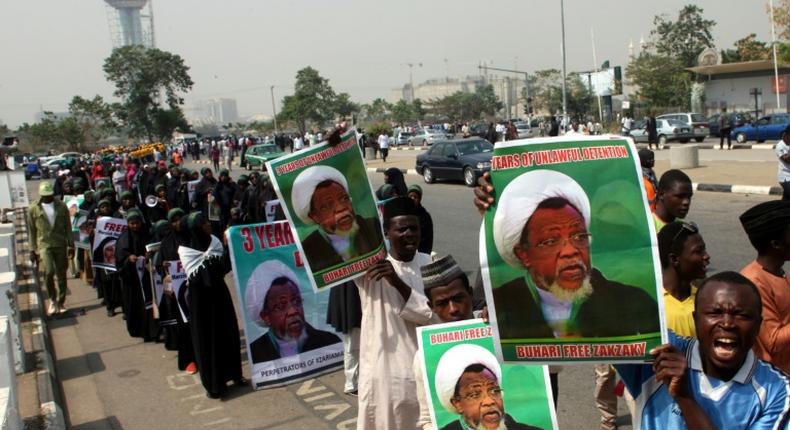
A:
{"x":142,"y":76}
{"x":313,"y":100}
{"x":377,"y":110}
{"x":42,"y":135}
{"x":781,"y":18}
{"x":685,"y":38}
{"x":344,"y":107}
{"x":747,"y":49}
{"x":461,"y":106}
{"x":403,"y":112}
{"x":91,"y":119}
{"x":661,"y":80}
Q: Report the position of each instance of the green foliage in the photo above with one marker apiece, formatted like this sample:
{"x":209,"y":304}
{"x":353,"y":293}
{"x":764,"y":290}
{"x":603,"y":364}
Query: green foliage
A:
{"x":685,"y":38}
{"x":377,"y":110}
{"x":344,"y":107}
{"x":42,"y":135}
{"x":90,"y":121}
{"x":661,"y":80}
{"x":462,"y":106}
{"x":546,"y":92}
{"x":783,"y":52}
{"x":141,"y":77}
{"x":747,"y":49}
{"x":313,"y":100}
{"x":375,"y":129}
{"x":781,"y":18}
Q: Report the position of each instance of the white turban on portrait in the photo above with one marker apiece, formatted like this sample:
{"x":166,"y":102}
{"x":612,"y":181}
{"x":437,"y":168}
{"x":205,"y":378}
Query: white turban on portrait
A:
{"x":452,"y":365}
{"x":522,"y":196}
{"x":304,"y":186}
{"x":259,"y":284}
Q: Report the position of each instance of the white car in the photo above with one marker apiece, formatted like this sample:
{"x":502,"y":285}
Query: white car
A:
{"x":427,"y":137}
{"x":523,"y":129}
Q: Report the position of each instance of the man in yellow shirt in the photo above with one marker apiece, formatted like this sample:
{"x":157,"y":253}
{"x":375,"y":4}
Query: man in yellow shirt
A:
{"x":673,"y":198}
{"x":684,"y":259}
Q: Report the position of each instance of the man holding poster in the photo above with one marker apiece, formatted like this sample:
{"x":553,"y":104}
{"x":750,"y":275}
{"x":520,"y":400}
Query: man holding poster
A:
{"x":326,"y":196}
{"x":548,"y":301}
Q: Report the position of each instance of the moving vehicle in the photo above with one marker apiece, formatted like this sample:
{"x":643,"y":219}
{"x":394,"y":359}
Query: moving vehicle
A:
{"x":458,"y":159}
{"x":258,"y":155}
{"x":50,"y":167}
{"x":427,"y":137}
{"x":769,"y":127}
{"x":737,"y":119}
{"x":523,"y":129}
{"x":403,"y":138}
{"x":697,"y":122}
{"x":32,"y":171}
{"x":667,"y":130}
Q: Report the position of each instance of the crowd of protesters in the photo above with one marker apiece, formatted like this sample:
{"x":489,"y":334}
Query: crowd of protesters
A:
{"x":742,"y":317}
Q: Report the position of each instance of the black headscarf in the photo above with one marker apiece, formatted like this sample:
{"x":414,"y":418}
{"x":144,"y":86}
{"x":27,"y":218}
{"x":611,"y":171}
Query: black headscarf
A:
{"x":198,"y":239}
{"x":394,"y":177}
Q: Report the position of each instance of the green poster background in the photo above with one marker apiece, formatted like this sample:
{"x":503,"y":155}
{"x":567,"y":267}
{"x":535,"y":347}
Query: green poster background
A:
{"x":350,"y":163}
{"x":244,"y":262}
{"x":623,"y":245}
{"x":526,"y":388}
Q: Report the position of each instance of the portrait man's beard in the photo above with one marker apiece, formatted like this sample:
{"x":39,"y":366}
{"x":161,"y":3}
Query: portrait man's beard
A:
{"x":565,"y":294}
{"x":501,"y":425}
{"x":347,"y":233}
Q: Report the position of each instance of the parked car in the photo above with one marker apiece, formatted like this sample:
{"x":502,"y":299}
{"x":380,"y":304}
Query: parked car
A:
{"x":737,"y":119}
{"x":523,"y":129}
{"x":258,"y":155}
{"x":769,"y":127}
{"x":50,"y":167}
{"x":459,"y":159}
{"x":668,"y":130}
{"x":697,"y":122}
{"x":427,"y":137}
{"x":403,"y":138}
{"x":32,"y":171}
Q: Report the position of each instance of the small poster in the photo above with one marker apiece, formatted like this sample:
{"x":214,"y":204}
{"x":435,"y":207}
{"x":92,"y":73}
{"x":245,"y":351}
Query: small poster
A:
{"x":102,"y":182}
{"x":145,"y":284}
{"x":191,"y":188}
{"x":326,"y":195}
{"x":79,"y":229}
{"x":214,"y":211}
{"x":569,"y":255}
{"x":279,"y":306}
{"x":177,"y":283}
{"x":468,"y":388}
{"x":272,"y":206}
{"x":107,"y":232}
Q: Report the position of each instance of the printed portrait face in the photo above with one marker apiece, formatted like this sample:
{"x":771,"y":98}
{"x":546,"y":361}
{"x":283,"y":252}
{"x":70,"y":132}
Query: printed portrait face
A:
{"x":283,"y":311}
{"x":109,"y":253}
{"x":331,"y":208}
{"x":479,"y":398}
{"x":555,"y":248}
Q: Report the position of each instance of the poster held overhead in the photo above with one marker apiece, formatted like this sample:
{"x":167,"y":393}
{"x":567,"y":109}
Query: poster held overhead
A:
{"x":326,"y":196}
{"x":569,"y":255}
{"x":107,"y":232}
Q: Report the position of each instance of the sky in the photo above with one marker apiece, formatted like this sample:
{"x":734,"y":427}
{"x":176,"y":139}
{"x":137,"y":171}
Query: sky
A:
{"x":52,"y":50}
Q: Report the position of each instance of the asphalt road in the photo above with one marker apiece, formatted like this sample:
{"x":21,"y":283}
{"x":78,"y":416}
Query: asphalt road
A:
{"x":112,"y":381}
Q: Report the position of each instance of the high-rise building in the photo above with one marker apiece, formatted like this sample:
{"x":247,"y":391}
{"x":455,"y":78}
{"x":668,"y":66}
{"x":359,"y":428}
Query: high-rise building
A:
{"x":217,"y":111}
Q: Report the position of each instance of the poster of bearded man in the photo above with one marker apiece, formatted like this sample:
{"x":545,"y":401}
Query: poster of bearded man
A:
{"x":326,"y":196}
{"x":569,"y":254}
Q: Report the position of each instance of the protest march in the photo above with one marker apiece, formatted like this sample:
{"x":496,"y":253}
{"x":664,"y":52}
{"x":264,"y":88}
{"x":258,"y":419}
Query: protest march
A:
{"x":321,"y":273}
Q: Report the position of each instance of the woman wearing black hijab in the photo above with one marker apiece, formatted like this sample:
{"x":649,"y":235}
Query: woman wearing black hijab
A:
{"x":136,"y":290}
{"x":168,"y":252}
{"x":394,"y":177}
{"x":215,"y":332}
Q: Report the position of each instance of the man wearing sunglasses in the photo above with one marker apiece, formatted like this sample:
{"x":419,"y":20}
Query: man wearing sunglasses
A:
{"x":541,"y":226}
{"x":273,"y":300}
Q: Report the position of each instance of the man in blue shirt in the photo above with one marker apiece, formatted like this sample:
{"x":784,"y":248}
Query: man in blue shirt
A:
{"x":714,"y":381}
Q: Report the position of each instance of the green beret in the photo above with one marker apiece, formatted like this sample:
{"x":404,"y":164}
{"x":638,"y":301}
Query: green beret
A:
{"x":134,"y":214}
{"x":88,"y":192}
{"x":160,"y":187}
{"x":103,"y":202}
{"x":243,"y":178}
{"x":193,"y":219}
{"x":204,"y":170}
{"x":224,"y":172}
{"x":174,"y":213}
{"x":127,"y":195}
{"x":415,"y":188}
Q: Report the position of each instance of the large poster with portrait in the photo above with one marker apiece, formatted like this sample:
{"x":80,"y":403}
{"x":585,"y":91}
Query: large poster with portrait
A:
{"x":80,"y":230}
{"x":569,"y":255}
{"x":466,"y":387}
{"x":107,"y":232}
{"x":326,"y":195}
{"x":288,"y":339}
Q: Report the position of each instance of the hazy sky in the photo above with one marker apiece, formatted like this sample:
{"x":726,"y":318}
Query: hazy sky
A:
{"x":51,"y":50}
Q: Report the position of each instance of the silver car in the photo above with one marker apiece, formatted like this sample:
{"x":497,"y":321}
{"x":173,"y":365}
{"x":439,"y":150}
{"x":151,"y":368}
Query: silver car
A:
{"x":523,"y":129}
{"x":667,"y":130}
{"x":427,"y":137}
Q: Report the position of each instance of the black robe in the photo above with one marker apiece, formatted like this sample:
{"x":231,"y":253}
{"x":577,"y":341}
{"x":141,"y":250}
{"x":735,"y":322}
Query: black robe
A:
{"x":139,"y":320}
{"x":215,"y":332}
{"x":426,"y":230}
{"x":179,"y":335}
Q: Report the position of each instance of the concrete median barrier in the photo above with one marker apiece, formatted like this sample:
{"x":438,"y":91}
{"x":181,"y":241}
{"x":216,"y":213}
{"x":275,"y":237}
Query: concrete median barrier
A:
{"x":684,"y":157}
{"x":9,"y":402}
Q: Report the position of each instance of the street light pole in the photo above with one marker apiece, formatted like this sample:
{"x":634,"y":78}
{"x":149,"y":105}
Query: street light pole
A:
{"x":411,"y":79}
{"x":274,"y":109}
{"x":776,"y":67}
{"x":564,"y":93}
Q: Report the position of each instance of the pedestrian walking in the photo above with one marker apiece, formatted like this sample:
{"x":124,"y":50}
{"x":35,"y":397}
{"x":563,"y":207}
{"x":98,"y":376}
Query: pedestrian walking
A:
{"x":724,"y":129}
{"x":384,"y":145}
{"x":51,"y":243}
{"x":652,"y":132}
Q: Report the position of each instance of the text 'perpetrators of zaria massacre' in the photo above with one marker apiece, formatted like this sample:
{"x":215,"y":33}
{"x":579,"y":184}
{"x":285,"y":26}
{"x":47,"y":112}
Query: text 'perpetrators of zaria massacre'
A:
{"x":582,"y":350}
{"x":557,"y":156}
{"x":461,"y":335}
{"x":318,"y":157}
{"x":272,"y":235}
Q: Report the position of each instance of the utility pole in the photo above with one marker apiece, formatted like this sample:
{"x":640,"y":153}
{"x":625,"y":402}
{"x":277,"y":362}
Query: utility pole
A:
{"x":274,"y":109}
{"x":411,"y":79}
{"x":564,"y":92}
{"x":773,"y":44}
{"x":526,"y":80}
